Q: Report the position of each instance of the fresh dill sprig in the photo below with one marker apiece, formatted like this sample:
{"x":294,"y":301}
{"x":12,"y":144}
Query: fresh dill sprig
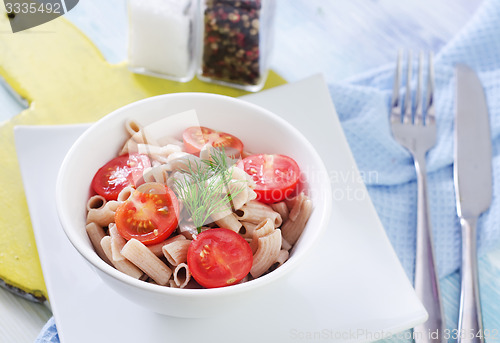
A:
{"x":204,"y":189}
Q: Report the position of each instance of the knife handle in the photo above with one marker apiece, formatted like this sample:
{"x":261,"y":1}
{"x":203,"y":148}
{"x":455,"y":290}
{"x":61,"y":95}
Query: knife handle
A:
{"x":470,"y":325}
{"x":426,"y":279}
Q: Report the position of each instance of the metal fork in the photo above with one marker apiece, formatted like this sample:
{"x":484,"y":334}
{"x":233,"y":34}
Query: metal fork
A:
{"x":414,"y":127}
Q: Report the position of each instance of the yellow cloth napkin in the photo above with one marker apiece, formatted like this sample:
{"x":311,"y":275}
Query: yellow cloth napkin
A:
{"x":66,"y":80}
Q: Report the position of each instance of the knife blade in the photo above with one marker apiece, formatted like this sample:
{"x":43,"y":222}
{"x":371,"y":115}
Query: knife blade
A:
{"x":473,"y":190}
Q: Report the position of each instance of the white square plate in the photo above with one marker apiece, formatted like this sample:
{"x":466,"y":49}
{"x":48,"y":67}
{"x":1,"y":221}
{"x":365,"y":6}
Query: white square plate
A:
{"x":352,"y":288}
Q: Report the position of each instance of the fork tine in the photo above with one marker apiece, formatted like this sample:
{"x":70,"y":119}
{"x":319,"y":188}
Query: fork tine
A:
{"x":395,"y":100}
{"x":430,"y":115}
{"x":407,"y":105}
{"x":418,"y":98}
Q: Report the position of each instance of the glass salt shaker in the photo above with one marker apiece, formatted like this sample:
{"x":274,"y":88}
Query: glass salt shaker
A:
{"x":236,"y":38}
{"x":162,"y":40}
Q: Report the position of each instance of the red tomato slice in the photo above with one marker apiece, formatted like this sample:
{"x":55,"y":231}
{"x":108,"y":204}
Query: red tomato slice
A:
{"x":119,"y":173}
{"x":150,"y":215}
{"x":276,"y":176}
{"x":196,"y":137}
{"x":219,"y":257}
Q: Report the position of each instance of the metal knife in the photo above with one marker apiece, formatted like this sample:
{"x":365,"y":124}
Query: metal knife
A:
{"x":473,"y":189}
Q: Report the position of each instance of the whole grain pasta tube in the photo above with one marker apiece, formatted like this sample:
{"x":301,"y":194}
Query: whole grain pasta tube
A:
{"x":248,"y":229}
{"x":240,"y":175}
{"x":240,"y":193}
{"x":293,"y":227}
{"x":138,"y":134}
{"x":183,"y":161}
{"x":158,"y":153}
{"x":172,"y":284}
{"x":182,"y":275}
{"x":264,"y":228}
{"x":125,"y":194}
{"x":117,"y":243}
{"x":157,"y":248}
{"x":156,"y":174}
{"x":230,"y":222}
{"x":282,"y":209}
{"x":144,"y":259}
{"x":294,"y":204}
{"x":282,"y":257}
{"x":187,"y":229}
{"x":104,"y":215}
{"x":96,"y":202}
{"x":267,"y":253}
{"x":255,"y":212}
{"x":176,"y":251}
{"x":284,"y":244}
{"x":223,"y":211}
{"x":132,"y":127}
{"x":124,"y":266}
{"x":96,"y":233}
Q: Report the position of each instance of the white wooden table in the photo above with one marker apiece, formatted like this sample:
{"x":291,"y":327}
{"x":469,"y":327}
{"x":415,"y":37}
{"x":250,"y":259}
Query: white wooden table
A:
{"x":356,"y":35}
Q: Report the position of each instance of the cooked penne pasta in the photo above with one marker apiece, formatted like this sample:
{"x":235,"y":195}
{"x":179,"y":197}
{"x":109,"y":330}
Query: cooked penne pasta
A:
{"x":239,"y":174}
{"x":157,"y":248}
{"x":182,"y":275}
{"x":230,"y":222}
{"x":129,"y":147}
{"x":294,"y":205}
{"x":176,"y":252}
{"x":96,"y":202}
{"x":206,"y":152}
{"x":117,"y":243}
{"x":269,"y":247}
{"x":144,"y":259}
{"x":137,"y":136}
{"x":158,"y":153}
{"x":124,"y":266}
{"x":247,"y":229}
{"x":264,"y":228}
{"x":256,"y":212}
{"x":187,"y":229}
{"x":172,"y":284}
{"x":240,"y":193}
{"x":282,"y":257}
{"x":104,"y":215}
{"x":182,"y":161}
{"x":125,"y":193}
{"x":141,"y":137}
{"x":293,"y":227}
{"x":285,"y":245}
{"x":132,"y":127}
{"x":223,"y":211}
{"x":156,"y":174}
{"x":282,"y":209}
{"x":96,"y":233}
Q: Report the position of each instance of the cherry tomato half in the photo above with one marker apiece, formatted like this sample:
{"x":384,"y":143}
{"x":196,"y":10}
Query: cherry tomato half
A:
{"x":276,"y":176}
{"x":219,"y":257}
{"x":119,"y":173}
{"x":196,"y":137}
{"x":150,"y":215}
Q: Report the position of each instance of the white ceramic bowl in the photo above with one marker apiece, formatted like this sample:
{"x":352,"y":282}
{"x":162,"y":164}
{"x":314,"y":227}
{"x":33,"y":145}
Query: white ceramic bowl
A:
{"x":260,"y":130}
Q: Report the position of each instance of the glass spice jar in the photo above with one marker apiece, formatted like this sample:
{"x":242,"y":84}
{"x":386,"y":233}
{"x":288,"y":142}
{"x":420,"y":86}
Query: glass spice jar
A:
{"x":162,"y":38}
{"x":236,"y":42}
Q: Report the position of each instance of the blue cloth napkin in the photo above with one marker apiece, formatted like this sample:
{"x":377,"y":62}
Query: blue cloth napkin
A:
{"x":363,"y":105}
{"x":48,"y":334}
